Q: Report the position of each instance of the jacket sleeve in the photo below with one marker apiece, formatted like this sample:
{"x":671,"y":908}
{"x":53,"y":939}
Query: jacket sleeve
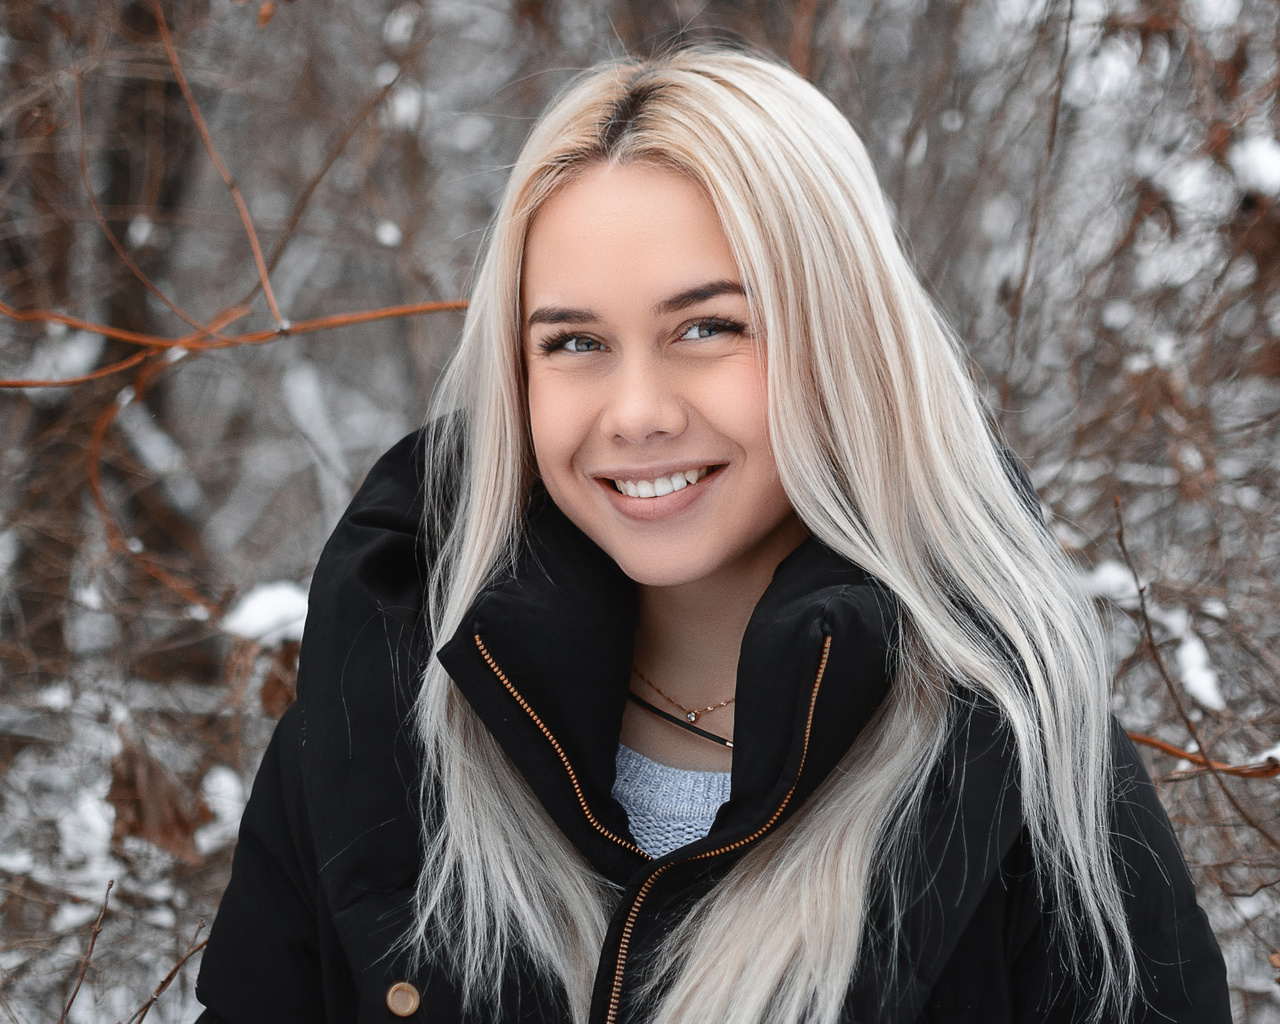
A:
{"x":1181,"y":973}
{"x":332,"y":814}
{"x":263,"y":961}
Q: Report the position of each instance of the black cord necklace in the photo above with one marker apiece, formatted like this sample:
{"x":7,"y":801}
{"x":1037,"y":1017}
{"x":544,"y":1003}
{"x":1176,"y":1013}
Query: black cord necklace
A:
{"x":687,"y":726}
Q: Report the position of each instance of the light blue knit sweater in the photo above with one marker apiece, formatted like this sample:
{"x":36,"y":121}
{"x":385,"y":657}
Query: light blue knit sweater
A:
{"x":666,"y":807}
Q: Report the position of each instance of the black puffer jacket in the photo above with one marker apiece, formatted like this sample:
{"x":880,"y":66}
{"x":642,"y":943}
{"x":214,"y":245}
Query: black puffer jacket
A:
{"x":328,"y":852}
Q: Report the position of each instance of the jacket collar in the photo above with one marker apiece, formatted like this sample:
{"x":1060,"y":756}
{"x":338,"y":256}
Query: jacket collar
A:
{"x":544,"y":657}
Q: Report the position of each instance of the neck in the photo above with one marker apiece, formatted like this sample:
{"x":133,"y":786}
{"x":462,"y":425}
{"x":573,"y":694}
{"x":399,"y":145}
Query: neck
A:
{"x":688,"y":637}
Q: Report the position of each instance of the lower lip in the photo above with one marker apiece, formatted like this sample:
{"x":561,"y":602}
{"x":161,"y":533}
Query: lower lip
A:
{"x":647,"y":510}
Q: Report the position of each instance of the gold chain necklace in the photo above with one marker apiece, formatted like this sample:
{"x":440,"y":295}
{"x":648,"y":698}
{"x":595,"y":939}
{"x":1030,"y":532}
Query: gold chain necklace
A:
{"x":690,"y":714}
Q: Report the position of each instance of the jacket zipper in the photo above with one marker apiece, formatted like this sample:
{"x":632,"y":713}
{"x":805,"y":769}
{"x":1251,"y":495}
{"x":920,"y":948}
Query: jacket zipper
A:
{"x":555,"y":744}
{"x":615,"y":996}
{"x":624,"y":942}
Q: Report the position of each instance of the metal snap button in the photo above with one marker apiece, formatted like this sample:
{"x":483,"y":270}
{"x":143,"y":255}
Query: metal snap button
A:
{"x":403,"y":999}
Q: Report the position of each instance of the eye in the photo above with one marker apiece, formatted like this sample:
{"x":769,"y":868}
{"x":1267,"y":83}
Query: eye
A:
{"x":567,"y":341}
{"x":711,"y":327}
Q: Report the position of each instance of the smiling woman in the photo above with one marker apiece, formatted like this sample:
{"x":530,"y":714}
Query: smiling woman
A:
{"x":744,"y":681}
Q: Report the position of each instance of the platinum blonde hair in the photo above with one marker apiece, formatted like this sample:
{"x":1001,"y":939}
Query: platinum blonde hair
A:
{"x":886,"y":454}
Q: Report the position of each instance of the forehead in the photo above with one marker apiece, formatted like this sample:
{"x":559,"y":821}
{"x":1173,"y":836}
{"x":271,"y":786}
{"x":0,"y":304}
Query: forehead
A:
{"x":641,"y":229}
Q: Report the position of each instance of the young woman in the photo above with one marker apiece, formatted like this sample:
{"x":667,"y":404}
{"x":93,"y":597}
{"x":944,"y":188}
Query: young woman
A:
{"x":733,"y":676}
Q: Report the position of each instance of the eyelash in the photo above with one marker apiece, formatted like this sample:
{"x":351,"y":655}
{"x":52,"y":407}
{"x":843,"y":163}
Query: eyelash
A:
{"x":717,"y":324}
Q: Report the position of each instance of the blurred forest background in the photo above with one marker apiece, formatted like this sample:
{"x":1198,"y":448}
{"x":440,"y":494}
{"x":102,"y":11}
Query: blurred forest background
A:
{"x":1091,"y":189}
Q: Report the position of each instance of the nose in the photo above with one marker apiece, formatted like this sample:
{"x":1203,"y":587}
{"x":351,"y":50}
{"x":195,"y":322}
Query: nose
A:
{"x":643,"y":402}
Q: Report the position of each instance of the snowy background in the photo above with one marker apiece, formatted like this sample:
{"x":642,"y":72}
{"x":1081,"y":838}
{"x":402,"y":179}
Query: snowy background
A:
{"x":1090,"y":187}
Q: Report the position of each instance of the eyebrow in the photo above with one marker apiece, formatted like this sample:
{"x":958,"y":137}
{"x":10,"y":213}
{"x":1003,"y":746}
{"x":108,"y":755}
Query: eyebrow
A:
{"x":682,"y":300}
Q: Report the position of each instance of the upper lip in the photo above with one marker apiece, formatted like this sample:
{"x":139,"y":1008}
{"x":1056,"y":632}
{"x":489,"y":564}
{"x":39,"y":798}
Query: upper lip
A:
{"x":654,"y":472}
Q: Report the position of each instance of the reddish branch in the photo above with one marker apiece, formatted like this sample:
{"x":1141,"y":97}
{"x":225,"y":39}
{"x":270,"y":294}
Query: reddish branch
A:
{"x":209,"y":338}
{"x":1268,"y":769}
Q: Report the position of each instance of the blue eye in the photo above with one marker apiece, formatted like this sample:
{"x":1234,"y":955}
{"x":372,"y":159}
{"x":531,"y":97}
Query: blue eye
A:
{"x":709,"y":328}
{"x":569,"y":342}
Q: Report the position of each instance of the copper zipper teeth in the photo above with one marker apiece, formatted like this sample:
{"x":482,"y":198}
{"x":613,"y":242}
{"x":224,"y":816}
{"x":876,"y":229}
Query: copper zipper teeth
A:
{"x":564,"y":760}
{"x":615,"y":997}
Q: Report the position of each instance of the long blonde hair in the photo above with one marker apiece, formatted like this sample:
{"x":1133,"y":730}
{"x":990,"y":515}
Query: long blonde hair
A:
{"x":886,"y":455}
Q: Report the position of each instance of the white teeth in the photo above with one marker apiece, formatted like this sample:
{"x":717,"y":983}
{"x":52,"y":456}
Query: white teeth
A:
{"x":662,"y":485}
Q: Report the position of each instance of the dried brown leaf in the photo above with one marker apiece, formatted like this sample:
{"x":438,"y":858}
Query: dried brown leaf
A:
{"x":153,"y":804}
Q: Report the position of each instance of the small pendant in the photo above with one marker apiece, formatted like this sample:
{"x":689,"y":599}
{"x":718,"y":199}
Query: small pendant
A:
{"x":692,"y":716}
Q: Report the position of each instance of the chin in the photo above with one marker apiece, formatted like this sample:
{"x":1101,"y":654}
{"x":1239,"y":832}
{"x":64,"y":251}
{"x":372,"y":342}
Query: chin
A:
{"x":666,"y":571}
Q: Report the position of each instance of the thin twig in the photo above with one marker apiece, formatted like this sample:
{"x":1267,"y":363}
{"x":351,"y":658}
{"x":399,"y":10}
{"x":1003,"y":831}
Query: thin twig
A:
{"x":140,"y":1014}
{"x":304,"y":200}
{"x":123,"y":253}
{"x":88,"y":953}
{"x":1149,"y":636}
{"x":1037,"y":206}
{"x":172,"y":53}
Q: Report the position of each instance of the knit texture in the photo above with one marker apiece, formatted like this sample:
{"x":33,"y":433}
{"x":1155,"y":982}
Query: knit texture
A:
{"x":667,"y":807}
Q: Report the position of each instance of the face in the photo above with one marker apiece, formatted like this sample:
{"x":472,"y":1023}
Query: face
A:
{"x":646,"y":381}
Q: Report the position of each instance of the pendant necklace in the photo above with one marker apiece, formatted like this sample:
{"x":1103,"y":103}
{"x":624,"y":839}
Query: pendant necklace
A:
{"x":690,"y":714}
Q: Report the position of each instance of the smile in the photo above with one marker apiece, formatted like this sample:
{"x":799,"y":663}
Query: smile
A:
{"x":662,"y":485}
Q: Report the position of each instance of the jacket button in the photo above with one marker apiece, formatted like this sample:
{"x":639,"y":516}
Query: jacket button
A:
{"x":403,"y":999}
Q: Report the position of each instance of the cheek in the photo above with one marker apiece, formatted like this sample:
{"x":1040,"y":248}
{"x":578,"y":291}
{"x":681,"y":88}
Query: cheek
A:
{"x":554,"y":427}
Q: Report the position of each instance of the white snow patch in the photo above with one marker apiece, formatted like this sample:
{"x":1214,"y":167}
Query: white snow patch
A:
{"x":161,"y":917}
{"x":71,"y":916}
{"x":63,"y":356}
{"x":17,"y":862}
{"x":1200,"y":186}
{"x":386,"y":73}
{"x":1256,"y":162}
{"x":139,"y":231}
{"x":1112,"y":581}
{"x":90,"y":597}
{"x":84,"y":833}
{"x":55,"y":698}
{"x":1117,"y":315}
{"x":404,"y":106}
{"x":1115,"y":582}
{"x":999,"y":216}
{"x":304,"y":397}
{"x":1271,"y":753}
{"x":269,"y":613}
{"x":397,"y":30}
{"x":1214,"y":607}
{"x":8,"y":552}
{"x":223,"y":791}
{"x":1213,"y":14}
{"x":1198,"y":676}
{"x":388,"y":233}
